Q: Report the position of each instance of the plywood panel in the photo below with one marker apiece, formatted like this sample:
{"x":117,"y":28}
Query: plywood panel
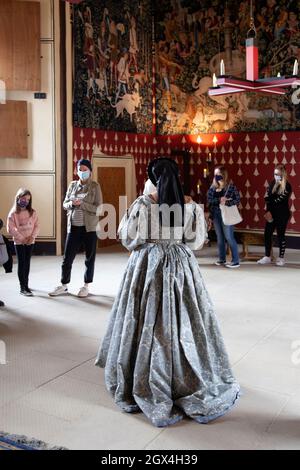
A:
{"x":13,"y":129}
{"x":41,"y":122}
{"x":20,"y":45}
{"x":112,"y":183}
{"x":46,"y":17}
{"x":6,"y":42}
{"x":27,"y":61}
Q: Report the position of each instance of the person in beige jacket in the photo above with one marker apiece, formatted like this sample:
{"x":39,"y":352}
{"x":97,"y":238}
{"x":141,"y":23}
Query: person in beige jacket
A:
{"x":81,"y":203}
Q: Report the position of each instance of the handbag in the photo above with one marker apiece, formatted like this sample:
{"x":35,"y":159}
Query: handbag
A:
{"x":230,"y":214}
{"x":3,"y":252}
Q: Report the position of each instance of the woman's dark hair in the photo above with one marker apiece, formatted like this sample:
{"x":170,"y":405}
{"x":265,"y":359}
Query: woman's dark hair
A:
{"x":166,"y":174}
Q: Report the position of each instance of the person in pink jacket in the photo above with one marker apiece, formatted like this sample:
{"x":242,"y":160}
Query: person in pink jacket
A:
{"x":23,"y":226}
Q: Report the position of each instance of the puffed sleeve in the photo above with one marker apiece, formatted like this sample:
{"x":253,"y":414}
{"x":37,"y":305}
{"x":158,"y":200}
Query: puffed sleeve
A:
{"x":195,"y":229}
{"x":133,"y":228}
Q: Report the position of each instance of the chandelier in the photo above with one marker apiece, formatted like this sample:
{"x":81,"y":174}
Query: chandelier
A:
{"x":226,"y":84}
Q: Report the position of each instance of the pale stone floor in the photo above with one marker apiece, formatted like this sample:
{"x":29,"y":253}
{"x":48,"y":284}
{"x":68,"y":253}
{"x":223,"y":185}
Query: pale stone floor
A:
{"x":51,"y":390}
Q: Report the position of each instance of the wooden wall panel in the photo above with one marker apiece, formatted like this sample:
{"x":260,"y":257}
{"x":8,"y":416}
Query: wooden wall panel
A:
{"x":6,"y":42}
{"x":13,"y":129}
{"x":27,"y":51}
{"x":20,"y":56}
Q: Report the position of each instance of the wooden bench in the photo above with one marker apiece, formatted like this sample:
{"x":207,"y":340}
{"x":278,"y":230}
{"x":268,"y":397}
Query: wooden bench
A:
{"x":252,"y":238}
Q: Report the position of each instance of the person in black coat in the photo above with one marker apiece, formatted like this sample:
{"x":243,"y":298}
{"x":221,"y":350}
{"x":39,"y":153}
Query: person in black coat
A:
{"x":9,"y":263}
{"x":277,"y":214}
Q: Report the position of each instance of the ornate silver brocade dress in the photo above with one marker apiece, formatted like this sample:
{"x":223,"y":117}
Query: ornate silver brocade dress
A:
{"x":163,"y":352}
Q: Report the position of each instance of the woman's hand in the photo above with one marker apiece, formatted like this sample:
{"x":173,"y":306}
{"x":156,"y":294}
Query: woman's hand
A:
{"x":154,"y":196}
{"x":77,"y":202}
{"x":224,"y":199}
{"x":209,"y":222}
{"x":268,"y":216}
{"x":188,"y":199}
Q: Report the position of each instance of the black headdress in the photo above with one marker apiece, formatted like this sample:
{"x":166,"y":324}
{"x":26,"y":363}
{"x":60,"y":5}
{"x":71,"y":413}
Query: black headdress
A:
{"x":164,"y":174}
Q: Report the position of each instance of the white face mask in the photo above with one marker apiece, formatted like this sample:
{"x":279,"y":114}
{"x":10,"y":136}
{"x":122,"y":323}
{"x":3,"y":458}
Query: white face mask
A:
{"x":278,"y":178}
{"x":84,"y":175}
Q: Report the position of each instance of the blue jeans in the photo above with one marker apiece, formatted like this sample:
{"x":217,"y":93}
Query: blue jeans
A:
{"x":225,"y":233}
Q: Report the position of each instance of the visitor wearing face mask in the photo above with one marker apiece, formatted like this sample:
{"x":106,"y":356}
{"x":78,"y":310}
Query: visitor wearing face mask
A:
{"x":277,"y":214}
{"x":81,"y":203}
{"x":223,"y":192}
{"x":23,"y":226}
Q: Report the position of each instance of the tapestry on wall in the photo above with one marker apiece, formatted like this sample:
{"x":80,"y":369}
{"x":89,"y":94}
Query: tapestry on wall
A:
{"x":112,"y":43}
{"x":193,"y":36}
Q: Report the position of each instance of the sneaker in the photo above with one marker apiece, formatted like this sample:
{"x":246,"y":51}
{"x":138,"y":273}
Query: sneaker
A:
{"x":265,"y":260}
{"x":232,"y":265}
{"x":58,"y":291}
{"x":220,"y":263}
{"x":25,"y":292}
{"x":280,"y":262}
{"x":29,"y":291}
{"x":83,"y":292}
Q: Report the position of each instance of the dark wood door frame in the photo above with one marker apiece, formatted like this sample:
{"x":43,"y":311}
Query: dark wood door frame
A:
{"x":63,"y":116}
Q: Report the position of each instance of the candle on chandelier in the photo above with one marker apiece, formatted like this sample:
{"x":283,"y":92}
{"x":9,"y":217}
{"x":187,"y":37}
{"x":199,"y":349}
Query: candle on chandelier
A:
{"x":295,"y":69}
{"x":198,"y":188}
{"x":215,"y":81}
{"x":205,"y":173}
{"x":222,"y":67}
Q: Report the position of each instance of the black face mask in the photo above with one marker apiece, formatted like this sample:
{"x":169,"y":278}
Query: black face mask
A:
{"x":23,"y":203}
{"x":218,"y":178}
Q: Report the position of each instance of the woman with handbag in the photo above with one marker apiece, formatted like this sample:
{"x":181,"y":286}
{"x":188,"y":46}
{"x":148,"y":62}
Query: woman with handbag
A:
{"x":277,"y":214}
{"x":223,"y":198}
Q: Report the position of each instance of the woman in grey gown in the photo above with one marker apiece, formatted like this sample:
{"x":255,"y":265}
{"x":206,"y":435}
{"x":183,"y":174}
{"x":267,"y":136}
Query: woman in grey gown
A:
{"x":163,"y":352}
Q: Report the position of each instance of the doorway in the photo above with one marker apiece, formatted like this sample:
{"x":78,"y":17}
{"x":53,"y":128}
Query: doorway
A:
{"x":116,"y":176}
